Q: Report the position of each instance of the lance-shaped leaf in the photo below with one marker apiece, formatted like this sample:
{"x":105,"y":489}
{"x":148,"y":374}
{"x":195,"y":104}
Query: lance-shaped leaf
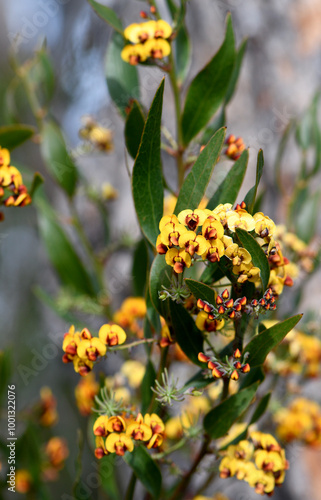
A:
{"x":251,"y":194}
{"x":259,"y":258}
{"x":236,"y":72}
{"x":160,"y":274}
{"x":11,"y":136}
{"x":62,"y":255}
{"x":147,"y":180}
{"x":201,"y":291}
{"x":208,"y":89}
{"x":196,"y":182}
{"x":187,"y":335}
{"x":140,"y":268}
{"x":145,"y":469}
{"x":122,"y":78}
{"x":309,"y":212}
{"x":261,"y":408}
{"x":228,"y":189}
{"x":260,"y":346}
{"x":183,"y":53}
{"x":57,"y":158}
{"x":134,"y":127}
{"x":220,"y":419}
{"x":108,"y":15}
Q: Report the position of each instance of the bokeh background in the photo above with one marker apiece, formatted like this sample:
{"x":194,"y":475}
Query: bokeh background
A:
{"x":280,"y":75}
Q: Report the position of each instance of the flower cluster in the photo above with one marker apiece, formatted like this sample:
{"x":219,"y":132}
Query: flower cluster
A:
{"x":12,"y":191}
{"x":47,"y":408}
{"x":228,"y":369}
{"x":83,"y":349}
{"x":300,"y":421}
{"x":260,"y":462}
{"x":97,"y":135}
{"x":302,"y":255}
{"x":85,"y":392}
{"x":235,"y":147}
{"x":148,"y":40}
{"x":131,"y":310}
{"x":116,"y":434}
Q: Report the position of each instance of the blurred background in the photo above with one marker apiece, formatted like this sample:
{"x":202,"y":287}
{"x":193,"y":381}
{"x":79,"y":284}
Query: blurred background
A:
{"x":280,"y":75}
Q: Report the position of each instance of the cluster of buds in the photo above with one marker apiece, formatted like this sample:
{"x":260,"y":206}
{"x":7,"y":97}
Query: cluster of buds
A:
{"x":12,"y":191}
{"x":230,"y":368}
{"x":225,"y":308}
{"x":266,"y":303}
{"x":235,"y":147}
{"x":117,"y":433}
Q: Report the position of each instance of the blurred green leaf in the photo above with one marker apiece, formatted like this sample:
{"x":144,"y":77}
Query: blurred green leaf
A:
{"x":220,"y":419}
{"x":255,"y":375}
{"x":201,"y":291}
{"x":5,"y":371}
{"x":183,"y":54}
{"x":140,"y":268}
{"x":110,"y":483}
{"x":134,"y":127}
{"x":145,"y":469}
{"x":236,"y":72}
{"x":251,"y":194}
{"x":186,"y":333}
{"x":57,"y":158}
{"x":122,"y":78}
{"x":228,"y":189}
{"x":316,"y":132}
{"x":36,"y":183}
{"x":61,"y":252}
{"x":42,"y":77}
{"x":208,"y":89}
{"x":259,"y":258}
{"x":195,"y":184}
{"x":280,"y":152}
{"x":11,"y":136}
{"x":147,"y":382}
{"x":108,"y":15}
{"x":304,"y":132}
{"x":260,"y":346}
{"x":160,"y":274}
{"x":47,"y":299}
{"x":307,"y":218}
{"x":147,"y":179}
{"x":172,"y":7}
{"x":215,"y":271}
{"x":261,"y":408}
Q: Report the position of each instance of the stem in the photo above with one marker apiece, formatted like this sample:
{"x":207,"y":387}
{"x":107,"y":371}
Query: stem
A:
{"x":182,"y":486}
{"x":226,"y":383}
{"x":133,"y":344}
{"x":131,"y":487}
{"x":206,"y":483}
{"x":175,"y":447}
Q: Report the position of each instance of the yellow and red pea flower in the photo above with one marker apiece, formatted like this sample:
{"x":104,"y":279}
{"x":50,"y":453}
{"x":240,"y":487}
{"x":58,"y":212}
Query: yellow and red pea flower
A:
{"x":112,"y":335}
{"x":91,"y":349}
{"x":119,"y":443}
{"x":178,"y":259}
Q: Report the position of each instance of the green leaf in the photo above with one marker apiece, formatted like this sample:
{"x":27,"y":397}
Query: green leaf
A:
{"x":220,"y":419}
{"x":5,"y":372}
{"x":260,"y":346}
{"x":11,"y":136}
{"x":62,"y":255}
{"x":214,"y":271}
{"x":140,"y":268}
{"x":261,"y":408}
{"x":36,"y":183}
{"x":208,"y":89}
{"x":50,"y":302}
{"x":57,"y":158}
{"x":134,"y":127}
{"x":122,"y":78}
{"x":217,"y":123}
{"x":280,"y":152}
{"x":147,"y":179}
{"x":147,"y":382}
{"x":186,"y":333}
{"x":309,"y":212}
{"x":108,"y":15}
{"x":251,"y":195}
{"x":41,"y":76}
{"x":259,"y":258}
{"x":236,"y":72}
{"x":108,"y":477}
{"x":201,"y":291}
{"x":228,"y":189}
{"x":145,"y":469}
{"x":196,"y":182}
{"x":255,"y":375}
{"x":160,"y":274}
{"x":183,"y":54}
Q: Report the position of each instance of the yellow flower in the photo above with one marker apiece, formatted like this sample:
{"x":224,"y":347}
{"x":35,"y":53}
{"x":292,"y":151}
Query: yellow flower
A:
{"x":193,"y":243}
{"x":168,"y":219}
{"x":4,"y":157}
{"x":139,"y":431}
{"x":82,"y":366}
{"x":100,"y":450}
{"x":134,"y":371}
{"x":108,"y":192}
{"x":157,"y":48}
{"x":100,"y":426}
{"x":162,"y":29}
{"x":134,"y":54}
{"x":112,"y":335}
{"x":215,"y":251}
{"x":240,"y":219}
{"x":204,"y":324}
{"x":57,"y":452}
{"x":212,"y":229}
{"x":193,"y":218}
{"x":140,"y":32}
{"x":23,"y":477}
{"x":10,"y":175}
{"x":171,"y":233}
{"x":116,"y":424}
{"x":178,"y":259}
{"x":70,"y":344}
{"x":119,"y":443}
{"x":91,"y":348}
{"x":85,"y":393}
{"x":264,"y":226}
{"x":154,"y":422}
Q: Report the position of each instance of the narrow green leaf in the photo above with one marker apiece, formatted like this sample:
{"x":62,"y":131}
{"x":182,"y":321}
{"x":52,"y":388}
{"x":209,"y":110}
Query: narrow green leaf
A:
{"x":309,"y":212}
{"x":172,"y":7}
{"x":11,"y":136}
{"x":57,"y":158}
{"x":261,"y":408}
{"x":228,"y":189}
{"x":280,"y":152}
{"x":147,"y":180}
{"x":259,"y":258}
{"x":140,"y":268}
{"x":160,"y":274}
{"x":220,"y":419}
{"x":134,"y":127}
{"x":122,"y":78}
{"x":62,"y":255}
{"x":147,"y":382}
{"x":196,"y":182}
{"x":145,"y":469}
{"x":304,"y":132}
{"x":208,"y":89}
{"x":251,"y":195}
{"x":218,"y":122}
{"x":41,"y":76}
{"x":186,"y":333}
{"x":183,"y":54}
{"x":36,"y":183}
{"x":108,"y":15}
{"x":260,"y":346}
{"x":108,"y":477}
{"x":236,"y":72}
{"x":201,"y":291}
{"x":255,"y":375}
